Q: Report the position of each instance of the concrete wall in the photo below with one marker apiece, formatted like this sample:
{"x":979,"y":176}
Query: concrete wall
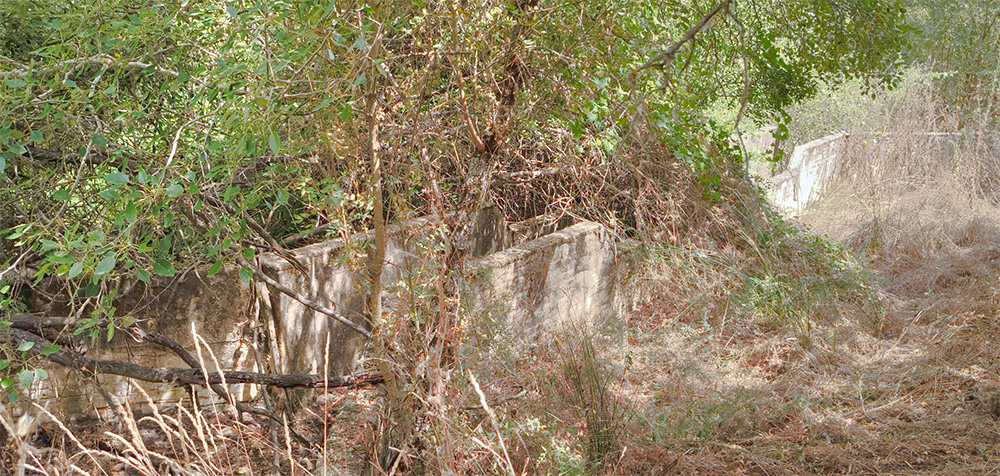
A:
{"x":812,"y":165}
{"x":560,"y":278}
{"x":815,"y":164}
{"x":299,"y":334}
{"x":218,"y":308}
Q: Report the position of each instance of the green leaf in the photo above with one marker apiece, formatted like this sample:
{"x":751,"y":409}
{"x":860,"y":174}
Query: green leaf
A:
{"x":246,"y":274}
{"x":175,"y":190}
{"x":60,"y":258}
{"x":41,"y":374}
{"x":229,"y":192}
{"x":163,"y":244}
{"x":163,"y":267}
{"x":70,"y":83}
{"x":272,"y":142}
{"x":25,"y":346}
{"x":26,"y":377}
{"x":106,"y":265}
{"x":76,"y":243}
{"x":6,"y":324}
{"x":15,"y":82}
{"x":360,"y":44}
{"x":232,"y":11}
{"x":130,"y":212}
{"x":142,"y":274}
{"x":215,"y":268}
{"x":282,"y":197}
{"x":62,"y":195}
{"x":248,"y":254}
{"x":110,"y":90}
{"x":17,"y":149}
{"x":36,"y":135}
{"x":75,"y":270}
{"x":111,"y":333}
{"x":117,"y":178}
{"x":49,"y":349}
{"x":4,"y":363}
{"x":110,"y":194}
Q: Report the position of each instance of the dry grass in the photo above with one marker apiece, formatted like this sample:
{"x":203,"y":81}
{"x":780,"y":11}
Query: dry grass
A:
{"x":180,"y":440}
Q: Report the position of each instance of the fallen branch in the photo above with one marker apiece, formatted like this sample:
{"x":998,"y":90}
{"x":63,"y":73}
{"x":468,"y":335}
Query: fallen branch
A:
{"x":177,"y":376}
{"x":27,"y":328}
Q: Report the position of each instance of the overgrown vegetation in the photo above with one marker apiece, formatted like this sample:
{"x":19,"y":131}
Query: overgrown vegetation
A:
{"x":145,"y":141}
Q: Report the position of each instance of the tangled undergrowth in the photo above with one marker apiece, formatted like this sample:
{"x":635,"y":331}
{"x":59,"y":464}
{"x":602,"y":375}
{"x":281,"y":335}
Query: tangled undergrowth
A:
{"x":770,"y":351}
{"x":748,"y":346}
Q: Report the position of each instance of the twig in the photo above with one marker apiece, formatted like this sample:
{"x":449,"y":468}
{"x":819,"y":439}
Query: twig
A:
{"x":493,"y":419}
{"x":13,"y":265}
{"x":275,"y":246}
{"x":529,"y":175}
{"x":173,"y":148}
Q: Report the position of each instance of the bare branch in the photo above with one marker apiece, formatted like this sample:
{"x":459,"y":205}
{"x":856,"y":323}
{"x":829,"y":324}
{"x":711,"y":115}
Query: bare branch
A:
{"x":177,"y":376}
{"x":104,"y":60}
{"x":257,"y":273}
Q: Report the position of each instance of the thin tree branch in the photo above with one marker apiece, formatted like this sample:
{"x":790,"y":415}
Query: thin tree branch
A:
{"x":275,"y":246}
{"x":257,"y":273}
{"x":664,"y":58}
{"x":99,"y":60}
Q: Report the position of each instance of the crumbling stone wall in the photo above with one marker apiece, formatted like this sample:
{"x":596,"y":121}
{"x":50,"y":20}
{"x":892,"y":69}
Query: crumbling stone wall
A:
{"x":564,"y":277}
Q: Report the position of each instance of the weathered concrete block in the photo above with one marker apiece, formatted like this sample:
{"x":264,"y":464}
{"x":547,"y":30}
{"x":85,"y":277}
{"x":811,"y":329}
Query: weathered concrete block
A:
{"x":810,"y":168}
{"x":563,"y":278}
{"x":217,"y":308}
